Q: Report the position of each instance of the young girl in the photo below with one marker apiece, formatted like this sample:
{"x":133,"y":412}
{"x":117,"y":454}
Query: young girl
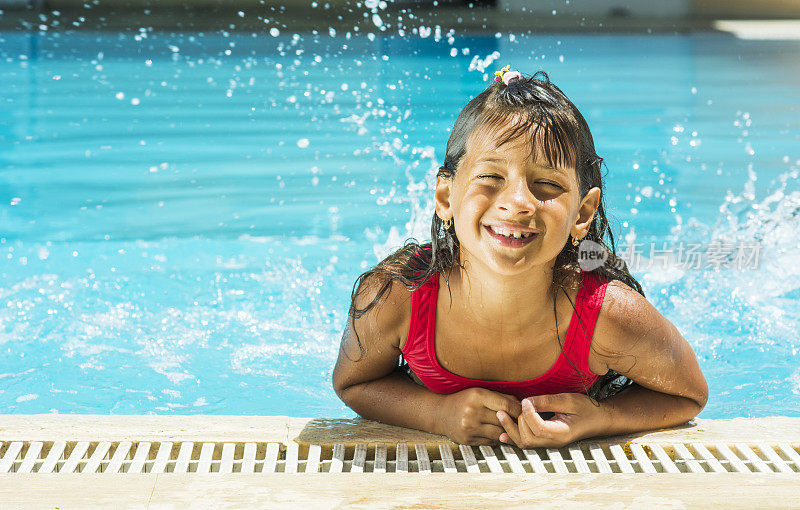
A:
{"x":523,"y":329}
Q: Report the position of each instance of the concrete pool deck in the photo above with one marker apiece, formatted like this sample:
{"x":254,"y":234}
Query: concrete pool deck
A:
{"x":71,"y":461}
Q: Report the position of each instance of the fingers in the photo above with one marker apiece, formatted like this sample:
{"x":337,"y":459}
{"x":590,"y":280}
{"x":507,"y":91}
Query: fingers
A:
{"x":502,"y":402}
{"x":529,"y":429}
{"x":514,"y":408}
{"x":489,"y":415}
{"x":533,"y":420}
{"x":557,"y":402}
{"x":542,"y":428}
{"x":510,"y":428}
{"x":490,"y":433}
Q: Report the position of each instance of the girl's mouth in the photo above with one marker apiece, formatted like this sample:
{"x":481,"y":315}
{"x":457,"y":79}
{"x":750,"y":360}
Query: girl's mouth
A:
{"x":511,"y":242}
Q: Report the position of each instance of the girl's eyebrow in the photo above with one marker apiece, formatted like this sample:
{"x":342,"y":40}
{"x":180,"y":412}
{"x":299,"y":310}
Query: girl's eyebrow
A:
{"x":490,"y":160}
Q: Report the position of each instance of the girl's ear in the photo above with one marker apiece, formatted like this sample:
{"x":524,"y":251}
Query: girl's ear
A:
{"x":442,"y":197}
{"x":586,"y":211}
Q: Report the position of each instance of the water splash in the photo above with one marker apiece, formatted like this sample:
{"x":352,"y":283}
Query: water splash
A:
{"x":753,"y":305}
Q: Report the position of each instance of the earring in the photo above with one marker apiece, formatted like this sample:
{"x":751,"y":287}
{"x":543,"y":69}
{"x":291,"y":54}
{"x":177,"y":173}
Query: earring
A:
{"x":575,"y":242}
{"x":447,"y":223}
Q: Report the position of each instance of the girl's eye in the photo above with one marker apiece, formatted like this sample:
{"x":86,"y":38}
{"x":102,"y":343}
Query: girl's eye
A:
{"x":551,"y":184}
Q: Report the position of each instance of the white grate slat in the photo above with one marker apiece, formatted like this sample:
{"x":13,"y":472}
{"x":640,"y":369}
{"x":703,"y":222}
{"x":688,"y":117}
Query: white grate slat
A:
{"x":773,"y":457}
{"x":469,"y":458}
{"x":787,"y":450}
{"x":75,"y":457}
{"x":359,"y":459}
{"x":98,"y":455}
{"x":313,"y":461}
{"x":162,"y":457}
{"x":139,"y":458}
{"x":7,"y":462}
{"x":53,"y":456}
{"x":491,"y":459}
{"x":578,"y":460}
{"x":513,"y":460}
{"x":731,"y":457}
{"x":271,"y":458}
{"x":759,"y":465}
{"x":290,"y":465}
{"x":249,"y":458}
{"x":622,"y":460}
{"x":31,"y":456}
{"x":423,"y":461}
{"x":686,"y":456}
{"x":557,"y":460}
{"x":337,"y":461}
{"x":600,"y":458}
{"x":401,"y":459}
{"x":666,"y":463}
{"x":184,"y":457}
{"x":206,"y":456}
{"x":120,"y":455}
{"x":448,"y":462}
{"x":380,"y":459}
{"x":641,"y":457}
{"x":226,"y":464}
{"x":715,"y":465}
{"x":536,"y":461}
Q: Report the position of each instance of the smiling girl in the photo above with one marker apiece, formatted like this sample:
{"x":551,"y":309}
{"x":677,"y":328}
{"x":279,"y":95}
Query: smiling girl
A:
{"x":525,"y":326}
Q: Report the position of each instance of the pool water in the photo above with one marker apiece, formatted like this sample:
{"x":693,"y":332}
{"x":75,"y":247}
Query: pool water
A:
{"x":182,"y":216}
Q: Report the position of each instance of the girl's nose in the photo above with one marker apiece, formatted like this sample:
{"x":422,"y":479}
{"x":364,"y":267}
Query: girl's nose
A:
{"x":517,"y":198}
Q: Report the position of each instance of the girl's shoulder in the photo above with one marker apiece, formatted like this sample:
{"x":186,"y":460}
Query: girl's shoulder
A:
{"x":391,"y":315}
{"x":620,"y":301}
{"x":625,"y":318}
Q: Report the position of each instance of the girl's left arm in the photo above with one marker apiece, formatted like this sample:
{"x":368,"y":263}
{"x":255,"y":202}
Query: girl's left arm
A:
{"x":632,"y":338}
{"x":635,"y":340}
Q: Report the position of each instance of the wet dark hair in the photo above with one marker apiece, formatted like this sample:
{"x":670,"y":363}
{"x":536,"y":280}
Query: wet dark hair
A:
{"x":533,"y":107}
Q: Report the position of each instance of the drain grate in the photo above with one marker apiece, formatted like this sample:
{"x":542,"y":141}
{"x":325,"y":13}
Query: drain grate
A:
{"x":276,"y":457}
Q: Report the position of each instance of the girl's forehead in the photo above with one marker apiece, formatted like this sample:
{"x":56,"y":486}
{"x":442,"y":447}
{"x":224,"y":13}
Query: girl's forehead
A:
{"x":505,"y":144}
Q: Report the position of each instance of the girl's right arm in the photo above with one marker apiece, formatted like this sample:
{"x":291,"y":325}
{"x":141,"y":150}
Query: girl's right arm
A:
{"x":365,"y":377}
{"x":367,"y":381}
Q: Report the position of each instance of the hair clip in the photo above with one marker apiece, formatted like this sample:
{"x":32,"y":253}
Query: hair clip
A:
{"x":505,"y":75}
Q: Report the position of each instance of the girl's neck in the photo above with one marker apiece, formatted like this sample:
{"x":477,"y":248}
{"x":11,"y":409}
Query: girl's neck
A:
{"x":499,"y":303}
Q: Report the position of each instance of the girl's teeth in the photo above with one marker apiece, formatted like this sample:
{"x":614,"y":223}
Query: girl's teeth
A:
{"x":509,"y":233}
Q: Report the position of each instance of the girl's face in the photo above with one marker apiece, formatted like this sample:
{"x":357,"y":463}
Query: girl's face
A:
{"x":502,"y":187}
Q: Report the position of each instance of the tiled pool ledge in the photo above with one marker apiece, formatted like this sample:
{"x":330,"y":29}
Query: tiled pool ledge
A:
{"x":71,"y":460}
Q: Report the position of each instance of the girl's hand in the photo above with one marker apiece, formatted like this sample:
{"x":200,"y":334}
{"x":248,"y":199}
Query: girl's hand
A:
{"x":576,"y":417}
{"x":470,"y":416}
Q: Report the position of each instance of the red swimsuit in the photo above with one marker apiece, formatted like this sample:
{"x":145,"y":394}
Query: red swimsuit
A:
{"x":419,"y":351}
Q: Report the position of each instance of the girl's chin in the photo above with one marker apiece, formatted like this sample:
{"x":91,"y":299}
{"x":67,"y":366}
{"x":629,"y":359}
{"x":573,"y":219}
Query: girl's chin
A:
{"x":505,"y":262}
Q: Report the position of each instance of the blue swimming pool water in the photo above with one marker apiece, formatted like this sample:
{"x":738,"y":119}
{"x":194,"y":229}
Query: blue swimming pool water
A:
{"x":182,"y":216}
